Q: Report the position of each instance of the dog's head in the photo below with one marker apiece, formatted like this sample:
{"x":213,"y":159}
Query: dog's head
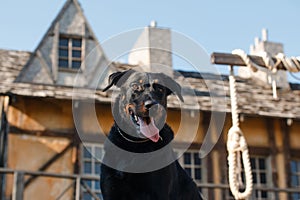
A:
{"x":143,"y":100}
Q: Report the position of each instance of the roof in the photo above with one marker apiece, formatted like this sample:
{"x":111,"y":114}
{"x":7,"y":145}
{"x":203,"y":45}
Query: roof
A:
{"x":253,"y":98}
{"x":42,"y":66}
{"x":11,"y":63}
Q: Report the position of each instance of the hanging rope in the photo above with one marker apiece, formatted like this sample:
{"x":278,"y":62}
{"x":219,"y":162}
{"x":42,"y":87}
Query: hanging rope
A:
{"x":236,"y":144}
{"x":273,"y":68}
{"x":237,"y":147}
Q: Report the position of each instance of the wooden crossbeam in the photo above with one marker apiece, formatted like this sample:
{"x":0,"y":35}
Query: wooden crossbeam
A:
{"x":236,"y":60}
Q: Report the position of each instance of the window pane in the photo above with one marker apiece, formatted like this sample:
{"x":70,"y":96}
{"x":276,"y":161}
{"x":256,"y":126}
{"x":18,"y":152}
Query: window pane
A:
{"x":295,"y":174}
{"x":197,"y":159}
{"x":63,"y":42}
{"x":198,"y":174}
{"x":63,"y":53}
{"x":97,"y":167}
{"x":87,"y":196}
{"x":76,"y":43}
{"x":295,"y":180}
{"x":98,"y":152}
{"x":76,"y":53}
{"x":187,"y":158}
{"x":88,"y":183}
{"x":257,"y":193}
{"x":76,"y":64}
{"x":100,"y":196}
{"x":63,"y":63}
{"x":264,"y":194}
{"x":296,"y":196}
{"x":97,"y":185}
{"x":298,"y":168}
{"x":254,"y":177}
{"x":263,"y":178}
{"x":252,"y":161}
{"x":87,"y":167}
{"x":86,"y":152}
{"x":262,"y":164}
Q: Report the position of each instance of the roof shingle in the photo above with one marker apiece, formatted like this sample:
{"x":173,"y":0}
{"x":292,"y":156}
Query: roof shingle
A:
{"x":211,"y":91}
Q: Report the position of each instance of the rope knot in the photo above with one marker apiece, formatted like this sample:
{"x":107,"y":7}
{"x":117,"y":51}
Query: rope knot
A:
{"x":236,"y":141}
{"x":237,"y":149}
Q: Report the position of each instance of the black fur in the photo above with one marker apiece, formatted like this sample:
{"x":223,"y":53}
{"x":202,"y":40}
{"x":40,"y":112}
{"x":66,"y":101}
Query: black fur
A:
{"x":168,"y":183}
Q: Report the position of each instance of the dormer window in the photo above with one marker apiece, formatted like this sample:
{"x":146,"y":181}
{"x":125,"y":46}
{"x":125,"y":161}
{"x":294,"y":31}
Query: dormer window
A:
{"x":69,"y":52}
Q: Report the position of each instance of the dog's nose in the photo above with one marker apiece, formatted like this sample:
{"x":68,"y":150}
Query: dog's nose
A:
{"x":148,"y":104}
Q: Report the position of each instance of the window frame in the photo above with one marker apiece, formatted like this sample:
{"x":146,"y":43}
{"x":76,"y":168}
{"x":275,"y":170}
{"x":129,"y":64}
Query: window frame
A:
{"x":70,"y":58}
{"x":93,"y":161}
{"x":269,"y":179}
{"x":297,"y":175}
{"x":203,"y":167}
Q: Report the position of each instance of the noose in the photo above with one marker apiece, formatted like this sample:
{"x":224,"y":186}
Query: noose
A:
{"x":237,"y":148}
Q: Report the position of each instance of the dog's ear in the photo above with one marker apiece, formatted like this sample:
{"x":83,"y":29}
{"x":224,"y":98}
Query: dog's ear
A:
{"x":114,"y":79}
{"x":172,"y":87}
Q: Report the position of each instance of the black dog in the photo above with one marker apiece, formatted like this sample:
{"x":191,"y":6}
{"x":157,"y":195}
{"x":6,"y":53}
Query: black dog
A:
{"x":140,"y":129}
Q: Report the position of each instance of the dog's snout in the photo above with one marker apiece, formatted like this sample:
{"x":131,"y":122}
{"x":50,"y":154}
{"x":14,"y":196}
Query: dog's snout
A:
{"x":149,"y":103}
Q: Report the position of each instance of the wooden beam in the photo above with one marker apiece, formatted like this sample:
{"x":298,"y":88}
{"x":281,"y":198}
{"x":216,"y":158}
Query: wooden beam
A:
{"x":90,"y":191}
{"x":270,"y":127}
{"x":77,"y":189}
{"x":236,"y":60}
{"x":285,"y":131}
{"x":18,"y":188}
{"x":50,"y":133}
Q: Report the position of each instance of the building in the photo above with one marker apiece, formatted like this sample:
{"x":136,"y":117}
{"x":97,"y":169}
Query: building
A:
{"x":43,"y":156}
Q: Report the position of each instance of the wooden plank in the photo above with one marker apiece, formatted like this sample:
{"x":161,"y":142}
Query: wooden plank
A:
{"x":285,"y":131}
{"x":49,"y":174}
{"x":236,"y":60}
{"x":77,"y":188}
{"x":50,"y":133}
{"x":270,"y":127}
{"x":18,"y":188}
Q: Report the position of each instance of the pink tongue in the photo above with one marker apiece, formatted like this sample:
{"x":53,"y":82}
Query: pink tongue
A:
{"x":149,"y":130}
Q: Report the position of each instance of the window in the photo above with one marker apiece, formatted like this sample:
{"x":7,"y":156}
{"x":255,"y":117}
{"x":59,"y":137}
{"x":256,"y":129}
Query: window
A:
{"x":262,"y":178}
{"x":295,"y":177}
{"x":194,"y":166}
{"x":92,"y":154}
{"x":69,"y":53}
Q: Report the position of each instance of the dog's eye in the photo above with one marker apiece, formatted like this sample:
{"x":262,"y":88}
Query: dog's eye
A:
{"x":134,"y":86}
{"x":137,"y":87}
{"x":158,"y":88}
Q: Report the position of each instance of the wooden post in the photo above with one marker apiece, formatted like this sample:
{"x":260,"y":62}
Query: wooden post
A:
{"x":77,"y":190}
{"x":285,"y":134}
{"x":4,"y":103}
{"x":216,"y":154}
{"x":270,"y":127}
{"x":280,"y":141}
{"x":18,"y":187}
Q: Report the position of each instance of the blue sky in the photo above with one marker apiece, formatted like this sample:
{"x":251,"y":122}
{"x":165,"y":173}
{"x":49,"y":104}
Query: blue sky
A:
{"x":219,"y":26}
